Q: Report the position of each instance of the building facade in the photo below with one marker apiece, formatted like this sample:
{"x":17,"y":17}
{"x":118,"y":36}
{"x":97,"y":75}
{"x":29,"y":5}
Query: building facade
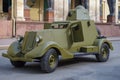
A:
{"x":31,"y":13}
{"x":42,"y":10}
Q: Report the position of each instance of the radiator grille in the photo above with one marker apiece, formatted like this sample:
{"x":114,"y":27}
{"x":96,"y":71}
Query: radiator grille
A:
{"x":29,"y":41}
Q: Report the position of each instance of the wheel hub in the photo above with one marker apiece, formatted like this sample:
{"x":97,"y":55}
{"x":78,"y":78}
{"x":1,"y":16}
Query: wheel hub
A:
{"x":52,"y":61}
{"x":104,"y":53}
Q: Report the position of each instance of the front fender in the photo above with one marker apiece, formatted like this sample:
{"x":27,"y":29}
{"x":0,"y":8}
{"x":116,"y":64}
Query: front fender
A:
{"x":40,"y":50}
{"x":14,"y":48}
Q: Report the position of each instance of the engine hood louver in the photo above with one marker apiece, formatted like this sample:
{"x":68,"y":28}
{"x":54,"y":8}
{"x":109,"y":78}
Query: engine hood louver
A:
{"x":29,"y":41}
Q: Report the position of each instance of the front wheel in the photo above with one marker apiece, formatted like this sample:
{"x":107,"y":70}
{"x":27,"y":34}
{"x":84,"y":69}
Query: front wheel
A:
{"x":103,"y":56}
{"x":49,"y":61}
{"x":17,"y":64}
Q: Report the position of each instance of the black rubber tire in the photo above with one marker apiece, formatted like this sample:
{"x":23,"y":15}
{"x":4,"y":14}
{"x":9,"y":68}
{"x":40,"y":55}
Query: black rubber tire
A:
{"x":18,"y":64}
{"x":47,"y":61}
{"x":103,"y":56}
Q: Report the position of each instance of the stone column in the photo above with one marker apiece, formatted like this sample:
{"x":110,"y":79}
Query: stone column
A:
{"x":104,"y":11}
{"x":41,"y":10}
{"x":61,"y":8}
{"x":1,"y":6}
{"x":66,"y":9}
{"x":117,"y":12}
{"x":94,"y":10}
{"x":19,"y":10}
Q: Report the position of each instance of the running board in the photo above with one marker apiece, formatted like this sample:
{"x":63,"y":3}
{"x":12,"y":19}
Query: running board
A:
{"x":78,"y":54}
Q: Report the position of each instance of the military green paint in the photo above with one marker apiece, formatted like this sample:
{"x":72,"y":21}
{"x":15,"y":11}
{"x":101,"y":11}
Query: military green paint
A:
{"x":67,"y":37}
{"x":14,"y":49}
{"x":29,"y":41}
{"x":99,"y":43}
{"x":17,"y":58}
{"x":43,"y":48}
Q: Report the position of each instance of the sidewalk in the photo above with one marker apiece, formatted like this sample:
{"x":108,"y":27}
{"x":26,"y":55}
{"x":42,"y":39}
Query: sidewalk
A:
{"x":4,"y":43}
{"x":114,"y":38}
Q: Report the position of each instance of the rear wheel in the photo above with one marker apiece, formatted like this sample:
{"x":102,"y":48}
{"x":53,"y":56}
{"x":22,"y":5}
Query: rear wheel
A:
{"x":103,"y":56}
{"x":49,"y":61}
{"x":18,"y":64}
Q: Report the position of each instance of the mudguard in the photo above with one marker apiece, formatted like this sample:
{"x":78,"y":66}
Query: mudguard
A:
{"x":40,"y":50}
{"x":14,"y":49}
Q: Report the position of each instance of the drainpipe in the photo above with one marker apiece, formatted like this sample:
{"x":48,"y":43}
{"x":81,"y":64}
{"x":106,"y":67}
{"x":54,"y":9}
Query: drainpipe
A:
{"x":13,"y":20}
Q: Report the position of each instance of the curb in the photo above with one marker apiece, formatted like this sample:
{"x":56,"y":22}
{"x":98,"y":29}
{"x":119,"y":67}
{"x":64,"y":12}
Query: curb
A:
{"x":2,"y":47}
{"x":5,"y":43}
{"x":114,"y":38}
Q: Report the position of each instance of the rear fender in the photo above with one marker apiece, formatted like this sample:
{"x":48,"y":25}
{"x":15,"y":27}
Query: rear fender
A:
{"x":99,"y":43}
{"x":43,"y":48}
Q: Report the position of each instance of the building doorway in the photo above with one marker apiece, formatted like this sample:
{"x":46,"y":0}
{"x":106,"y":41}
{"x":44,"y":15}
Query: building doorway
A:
{"x":36,"y":9}
{"x":6,"y":10}
{"x":6,"y":5}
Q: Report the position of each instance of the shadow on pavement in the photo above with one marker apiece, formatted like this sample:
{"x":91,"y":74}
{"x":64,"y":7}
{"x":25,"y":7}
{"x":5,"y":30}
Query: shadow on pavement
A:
{"x":34,"y":67}
{"x":77,"y":60}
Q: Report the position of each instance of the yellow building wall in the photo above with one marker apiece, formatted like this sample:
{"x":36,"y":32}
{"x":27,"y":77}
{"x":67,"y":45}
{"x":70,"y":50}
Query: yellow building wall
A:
{"x":36,"y":10}
{"x":1,"y":9}
{"x":1,"y":6}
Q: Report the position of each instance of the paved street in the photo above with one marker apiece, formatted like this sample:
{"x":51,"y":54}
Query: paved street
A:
{"x":78,"y":69}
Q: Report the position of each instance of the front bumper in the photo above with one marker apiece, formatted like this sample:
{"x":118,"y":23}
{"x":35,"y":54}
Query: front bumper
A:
{"x":17,"y":58}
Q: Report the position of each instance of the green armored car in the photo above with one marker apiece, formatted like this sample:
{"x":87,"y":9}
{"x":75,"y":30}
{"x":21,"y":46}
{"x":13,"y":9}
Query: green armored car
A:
{"x":61,"y":40}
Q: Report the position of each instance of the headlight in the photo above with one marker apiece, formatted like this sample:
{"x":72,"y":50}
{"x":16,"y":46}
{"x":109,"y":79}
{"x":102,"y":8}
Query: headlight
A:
{"x":19,"y":38}
{"x":38,"y":39}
